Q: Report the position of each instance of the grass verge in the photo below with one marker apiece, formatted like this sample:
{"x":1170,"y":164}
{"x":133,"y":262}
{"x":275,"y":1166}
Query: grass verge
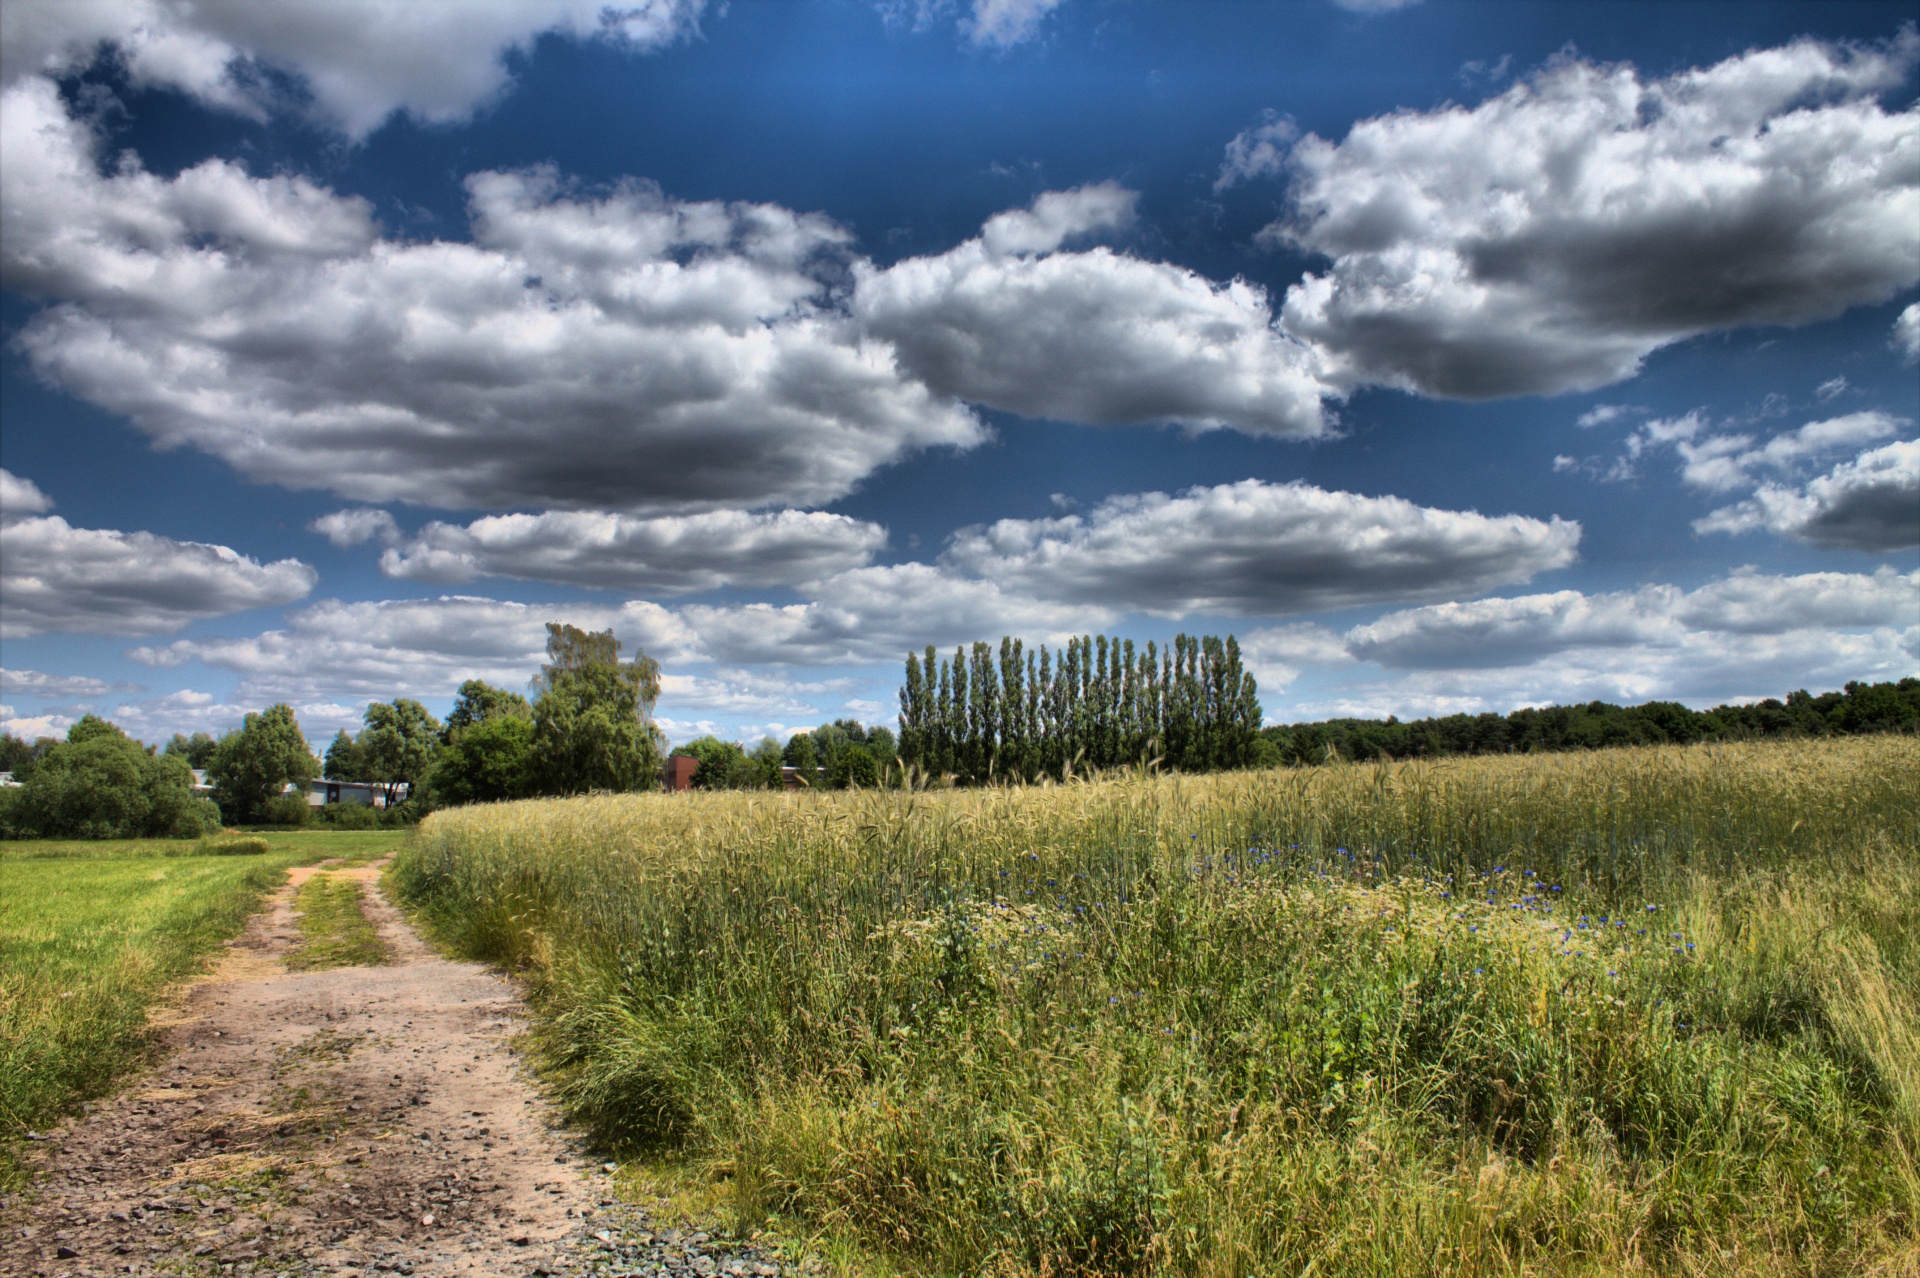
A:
{"x":334,"y":928}
{"x":1644,"y":1010}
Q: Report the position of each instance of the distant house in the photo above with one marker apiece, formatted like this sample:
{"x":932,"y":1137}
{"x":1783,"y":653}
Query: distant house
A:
{"x":201,"y":785}
{"x":321,"y":792}
{"x":6,"y":779}
{"x":677,"y":775}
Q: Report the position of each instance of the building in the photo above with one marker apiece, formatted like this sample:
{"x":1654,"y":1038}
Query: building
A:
{"x":677,"y":774}
{"x":321,"y":792}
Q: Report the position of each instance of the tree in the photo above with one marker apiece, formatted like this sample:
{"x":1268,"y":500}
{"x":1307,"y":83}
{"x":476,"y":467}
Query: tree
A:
{"x":253,"y":765}
{"x":799,"y":753}
{"x":344,"y":761}
{"x":854,"y":767}
{"x":17,"y":756}
{"x":723,"y":765}
{"x":766,"y":757}
{"x":480,"y":701}
{"x":397,"y":746}
{"x":196,"y":749}
{"x":486,"y":762}
{"x":593,"y":718}
{"x":99,"y":784}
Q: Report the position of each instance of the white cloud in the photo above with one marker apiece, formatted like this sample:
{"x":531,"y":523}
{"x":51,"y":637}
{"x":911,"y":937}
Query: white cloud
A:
{"x":1001,"y":24}
{"x":1600,"y":415}
{"x":412,"y":647}
{"x":1276,"y":655}
{"x":1092,"y":336}
{"x":878,"y":614}
{"x":55,"y":577}
{"x":1869,"y":503}
{"x":21,"y":496}
{"x":671,"y":554}
{"x":352,"y":527}
{"x":1259,"y":150}
{"x":1260,"y":549}
{"x":1552,"y":237}
{"x":37,"y":683}
{"x":1906,"y":333}
{"x":1055,"y":217}
{"x":1745,"y":636}
{"x":31,"y":727}
{"x":626,"y":352}
{"x":1723,"y":462}
{"x":362,"y":60}
{"x":1490,"y":633}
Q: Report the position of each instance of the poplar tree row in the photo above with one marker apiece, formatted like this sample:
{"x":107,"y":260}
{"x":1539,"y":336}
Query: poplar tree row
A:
{"x":1100,"y":703}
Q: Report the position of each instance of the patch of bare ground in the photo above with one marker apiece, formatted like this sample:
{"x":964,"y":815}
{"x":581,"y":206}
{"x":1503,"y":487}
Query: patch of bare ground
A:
{"x":350,"y":1120}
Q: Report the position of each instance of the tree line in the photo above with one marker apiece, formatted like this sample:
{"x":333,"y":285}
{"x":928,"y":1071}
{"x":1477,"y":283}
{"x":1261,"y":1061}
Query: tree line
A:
{"x":1859,"y":708}
{"x":589,"y":727}
{"x":1021,"y":714}
{"x":834,"y":755}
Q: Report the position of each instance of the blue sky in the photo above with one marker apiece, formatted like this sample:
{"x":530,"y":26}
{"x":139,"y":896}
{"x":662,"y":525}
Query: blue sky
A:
{"x":1454,"y":356}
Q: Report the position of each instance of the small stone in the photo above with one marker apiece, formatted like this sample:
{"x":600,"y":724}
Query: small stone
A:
{"x":65,"y":1253}
{"x":609,"y":1167}
{"x":427,"y":1219}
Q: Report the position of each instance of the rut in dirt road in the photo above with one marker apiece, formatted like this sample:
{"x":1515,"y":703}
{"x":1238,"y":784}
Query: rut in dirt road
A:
{"x":353,"y":1120}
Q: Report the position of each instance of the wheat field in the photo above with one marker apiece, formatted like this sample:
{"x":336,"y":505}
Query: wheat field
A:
{"x":1635,"y":1011}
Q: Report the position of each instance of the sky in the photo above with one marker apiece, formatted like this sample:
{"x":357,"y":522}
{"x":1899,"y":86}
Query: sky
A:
{"x":1455,"y":357}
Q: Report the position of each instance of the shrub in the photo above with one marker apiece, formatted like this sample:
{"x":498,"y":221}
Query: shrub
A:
{"x":254,"y":846}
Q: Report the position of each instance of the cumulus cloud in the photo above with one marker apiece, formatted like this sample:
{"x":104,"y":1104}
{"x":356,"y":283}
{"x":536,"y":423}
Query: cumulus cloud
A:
{"x":1552,"y":237}
{"x":1745,"y":636}
{"x":1489,"y":633}
{"x":1869,"y":503}
{"x":1093,"y":336}
{"x":1906,"y":333}
{"x":1001,"y":24}
{"x":626,"y":352}
{"x":21,"y":496}
{"x":411,"y":647}
{"x":671,"y":554}
{"x":55,"y":577}
{"x":1259,"y":150}
{"x":1723,"y":462}
{"x":361,"y":60}
{"x":40,"y":684}
{"x":877,"y":614}
{"x":1254,"y":548}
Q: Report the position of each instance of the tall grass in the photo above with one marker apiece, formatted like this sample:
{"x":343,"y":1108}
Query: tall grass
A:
{"x":1565,"y":1014}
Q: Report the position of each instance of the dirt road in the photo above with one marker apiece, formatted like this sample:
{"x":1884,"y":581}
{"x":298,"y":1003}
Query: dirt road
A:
{"x":356,"y":1120}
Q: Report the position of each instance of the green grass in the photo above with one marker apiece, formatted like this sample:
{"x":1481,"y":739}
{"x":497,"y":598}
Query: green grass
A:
{"x":1633,"y":1011}
{"x":94,"y":933}
{"x":334,"y":928}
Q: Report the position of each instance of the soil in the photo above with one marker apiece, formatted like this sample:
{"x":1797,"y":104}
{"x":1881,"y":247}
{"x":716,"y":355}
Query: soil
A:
{"x":349,"y":1121}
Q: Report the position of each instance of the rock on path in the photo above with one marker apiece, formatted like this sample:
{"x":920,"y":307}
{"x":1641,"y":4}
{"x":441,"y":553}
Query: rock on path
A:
{"x":358,"y":1120}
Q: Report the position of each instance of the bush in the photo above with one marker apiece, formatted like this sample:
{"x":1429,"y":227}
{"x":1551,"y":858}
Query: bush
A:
{"x":348,"y":816}
{"x":855,"y":767}
{"x":231,"y":847}
{"x":286,"y":809}
{"x":99,"y":784}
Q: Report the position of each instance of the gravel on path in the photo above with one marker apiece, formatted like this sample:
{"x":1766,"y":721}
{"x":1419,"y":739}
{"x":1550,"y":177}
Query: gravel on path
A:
{"x":350,"y":1121}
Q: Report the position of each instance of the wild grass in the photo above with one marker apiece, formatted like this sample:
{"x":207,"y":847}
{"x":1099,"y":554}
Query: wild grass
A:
{"x":1643,"y":1010}
{"x":334,"y":928}
{"x":93,"y":933}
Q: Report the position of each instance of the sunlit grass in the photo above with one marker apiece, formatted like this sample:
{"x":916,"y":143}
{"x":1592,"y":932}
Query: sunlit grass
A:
{"x":334,"y":928}
{"x":1647,"y":1009}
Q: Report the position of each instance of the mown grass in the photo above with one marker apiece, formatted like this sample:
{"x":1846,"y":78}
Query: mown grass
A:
{"x":93,"y":934}
{"x":334,"y":928}
{"x":1646,"y":1010}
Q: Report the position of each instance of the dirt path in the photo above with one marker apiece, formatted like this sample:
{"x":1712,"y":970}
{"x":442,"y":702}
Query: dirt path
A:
{"x":356,"y":1120}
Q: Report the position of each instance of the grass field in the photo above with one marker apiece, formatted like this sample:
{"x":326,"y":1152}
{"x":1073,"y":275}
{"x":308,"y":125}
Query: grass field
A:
{"x":1632,"y":1011}
{"x":92,"y":934}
